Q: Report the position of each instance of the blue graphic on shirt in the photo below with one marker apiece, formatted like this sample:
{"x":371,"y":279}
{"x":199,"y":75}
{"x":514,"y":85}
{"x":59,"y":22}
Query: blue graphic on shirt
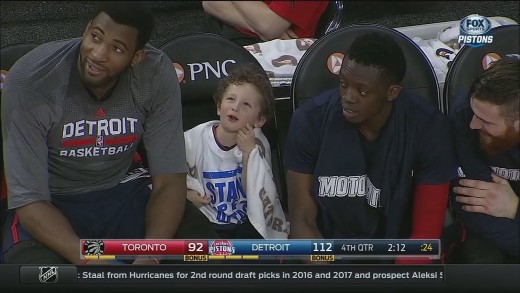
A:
{"x":227,"y":195}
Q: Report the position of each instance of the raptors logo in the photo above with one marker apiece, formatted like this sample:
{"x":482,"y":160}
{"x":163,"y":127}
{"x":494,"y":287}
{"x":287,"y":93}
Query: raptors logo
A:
{"x":93,"y":247}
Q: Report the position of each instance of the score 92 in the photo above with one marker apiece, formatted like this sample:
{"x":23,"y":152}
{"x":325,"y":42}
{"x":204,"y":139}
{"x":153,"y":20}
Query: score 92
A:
{"x":196,"y":247}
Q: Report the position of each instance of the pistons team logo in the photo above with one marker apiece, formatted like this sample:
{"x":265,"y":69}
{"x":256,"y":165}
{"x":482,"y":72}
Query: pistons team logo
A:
{"x":221,"y":247}
{"x":475,"y":31}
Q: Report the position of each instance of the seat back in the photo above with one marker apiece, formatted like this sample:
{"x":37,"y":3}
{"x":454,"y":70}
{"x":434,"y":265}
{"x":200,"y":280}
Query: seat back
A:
{"x":331,"y":20}
{"x":201,"y":60}
{"x":318,"y":68}
{"x":470,"y":62}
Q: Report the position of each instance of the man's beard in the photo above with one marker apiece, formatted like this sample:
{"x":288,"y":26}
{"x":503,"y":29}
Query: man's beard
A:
{"x":495,"y":146}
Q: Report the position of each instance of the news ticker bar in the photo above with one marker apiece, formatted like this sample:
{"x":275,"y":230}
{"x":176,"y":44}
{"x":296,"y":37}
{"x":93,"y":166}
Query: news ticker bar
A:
{"x":345,"y":247}
{"x":232,"y":274}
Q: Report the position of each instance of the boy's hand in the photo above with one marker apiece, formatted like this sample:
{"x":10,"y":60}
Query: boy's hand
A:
{"x":246,"y":139}
{"x":197,"y":199}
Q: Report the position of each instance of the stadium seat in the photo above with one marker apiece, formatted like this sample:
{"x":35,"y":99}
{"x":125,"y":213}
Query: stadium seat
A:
{"x":9,"y":56}
{"x":201,"y":60}
{"x":318,"y":68}
{"x":331,"y":20}
{"x":471,"y":62}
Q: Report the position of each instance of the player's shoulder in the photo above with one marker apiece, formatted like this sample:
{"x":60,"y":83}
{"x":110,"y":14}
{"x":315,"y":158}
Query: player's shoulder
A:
{"x":319,"y":105}
{"x":424,"y":112}
{"x":155,"y":68}
{"x":155,"y":59}
{"x":46,"y":69}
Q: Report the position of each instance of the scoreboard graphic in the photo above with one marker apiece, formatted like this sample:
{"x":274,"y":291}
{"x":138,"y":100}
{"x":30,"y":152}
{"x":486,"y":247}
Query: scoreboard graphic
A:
{"x":220,"y":249}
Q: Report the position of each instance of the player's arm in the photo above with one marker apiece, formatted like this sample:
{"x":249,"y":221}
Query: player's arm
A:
{"x":302,"y":207}
{"x":429,"y":210}
{"x":165,"y":209}
{"x":166,"y":205}
{"x":50,"y":227}
{"x":165,"y":146}
{"x":25,"y":130}
{"x":435,"y":167}
{"x":503,"y":232}
{"x":300,"y":155}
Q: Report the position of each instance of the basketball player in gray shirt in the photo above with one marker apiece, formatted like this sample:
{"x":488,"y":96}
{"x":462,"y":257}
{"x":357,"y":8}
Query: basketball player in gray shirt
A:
{"x":73,"y":113}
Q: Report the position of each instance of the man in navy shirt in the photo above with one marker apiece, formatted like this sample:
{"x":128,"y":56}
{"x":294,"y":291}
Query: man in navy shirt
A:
{"x":367,"y":159}
{"x":487,"y":138}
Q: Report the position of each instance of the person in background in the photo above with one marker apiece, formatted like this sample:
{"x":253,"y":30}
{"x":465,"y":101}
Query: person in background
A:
{"x":487,"y":140}
{"x":249,"y":22}
{"x":368,"y":160}
{"x":73,"y":113}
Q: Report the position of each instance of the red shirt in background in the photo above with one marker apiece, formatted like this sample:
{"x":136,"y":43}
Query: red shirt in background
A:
{"x":303,"y":16}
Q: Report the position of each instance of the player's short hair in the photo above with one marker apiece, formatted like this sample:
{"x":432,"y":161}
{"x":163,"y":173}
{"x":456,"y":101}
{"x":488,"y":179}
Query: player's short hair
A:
{"x":499,"y":85}
{"x":249,"y":73}
{"x":380,"y":51}
{"x":136,"y":14}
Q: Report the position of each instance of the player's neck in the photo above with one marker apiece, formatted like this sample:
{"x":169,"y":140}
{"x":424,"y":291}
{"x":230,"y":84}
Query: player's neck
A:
{"x":372,"y":128}
{"x":102,"y":93}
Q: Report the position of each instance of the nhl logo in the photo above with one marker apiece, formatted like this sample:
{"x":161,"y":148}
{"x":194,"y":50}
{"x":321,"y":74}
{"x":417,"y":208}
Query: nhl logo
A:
{"x":48,"y":275}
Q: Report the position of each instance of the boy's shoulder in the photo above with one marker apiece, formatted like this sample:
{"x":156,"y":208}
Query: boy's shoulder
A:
{"x":197,"y":130}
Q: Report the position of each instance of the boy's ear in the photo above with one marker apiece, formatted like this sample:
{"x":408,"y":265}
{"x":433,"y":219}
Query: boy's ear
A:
{"x":260,"y":122}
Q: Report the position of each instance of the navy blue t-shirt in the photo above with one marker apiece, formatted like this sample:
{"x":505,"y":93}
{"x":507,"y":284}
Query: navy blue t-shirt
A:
{"x":476,"y":164}
{"x":365,"y":189}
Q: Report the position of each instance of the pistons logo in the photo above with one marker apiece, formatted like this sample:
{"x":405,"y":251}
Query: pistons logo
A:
{"x":221,"y":247}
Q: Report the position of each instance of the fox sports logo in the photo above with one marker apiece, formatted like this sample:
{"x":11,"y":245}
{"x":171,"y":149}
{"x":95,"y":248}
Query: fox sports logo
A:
{"x":475,"y":31}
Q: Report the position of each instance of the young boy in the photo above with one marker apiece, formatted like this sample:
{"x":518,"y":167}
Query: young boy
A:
{"x":230,"y":158}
